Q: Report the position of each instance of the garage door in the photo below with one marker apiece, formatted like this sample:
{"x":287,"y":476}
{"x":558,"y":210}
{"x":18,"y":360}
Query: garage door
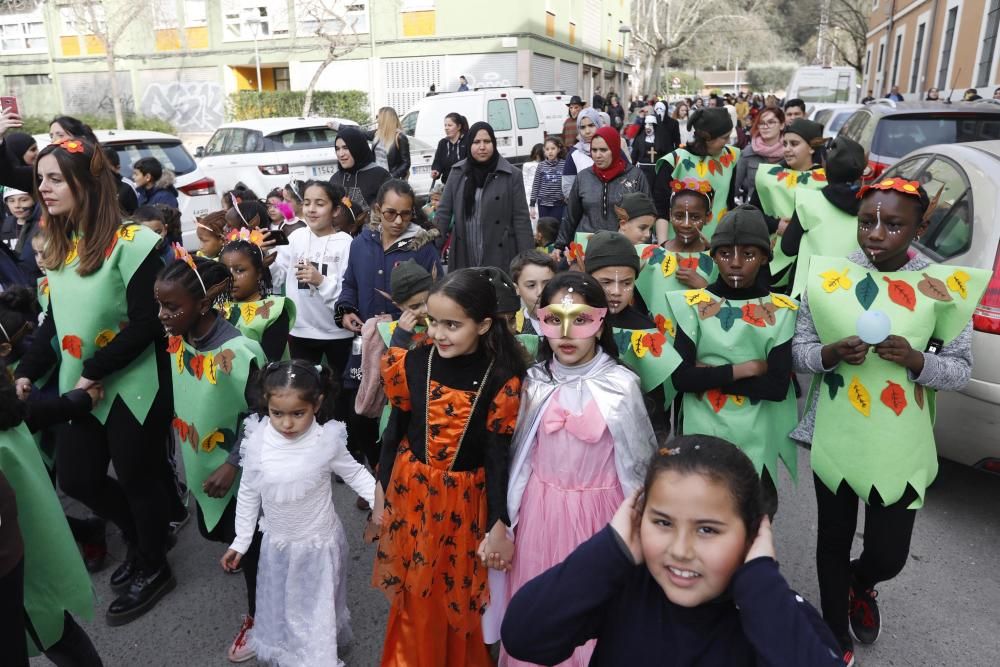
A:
{"x":543,"y":73}
{"x":568,"y":81}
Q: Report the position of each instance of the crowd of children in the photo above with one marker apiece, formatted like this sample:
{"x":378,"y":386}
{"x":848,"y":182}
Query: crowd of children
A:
{"x":573,"y":463}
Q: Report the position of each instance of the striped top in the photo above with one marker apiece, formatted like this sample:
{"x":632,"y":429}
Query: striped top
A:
{"x":547,"y":186}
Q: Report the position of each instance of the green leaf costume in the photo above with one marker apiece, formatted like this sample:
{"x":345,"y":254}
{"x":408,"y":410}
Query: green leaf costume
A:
{"x":659,"y":276}
{"x":717,"y":171}
{"x":874,"y":426}
{"x":828,"y":231}
{"x":778,"y":188}
{"x":209,"y":400}
{"x":253,"y":318}
{"x":55,"y":579}
{"x":731,"y":332}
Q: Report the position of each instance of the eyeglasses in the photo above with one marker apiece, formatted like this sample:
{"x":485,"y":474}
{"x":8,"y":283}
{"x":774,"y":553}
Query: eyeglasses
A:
{"x":390,"y":214}
{"x":770,"y":123}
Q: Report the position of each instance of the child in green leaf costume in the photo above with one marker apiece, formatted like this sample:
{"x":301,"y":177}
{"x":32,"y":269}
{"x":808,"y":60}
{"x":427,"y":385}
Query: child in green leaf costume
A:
{"x":251,"y":307}
{"x":882,"y":329}
{"x":734,"y":339}
{"x":213,"y":365}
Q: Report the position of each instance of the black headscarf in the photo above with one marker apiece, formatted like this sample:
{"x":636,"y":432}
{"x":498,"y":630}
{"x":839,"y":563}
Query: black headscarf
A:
{"x":17,"y":144}
{"x":358,"y":146}
{"x":477,"y":172}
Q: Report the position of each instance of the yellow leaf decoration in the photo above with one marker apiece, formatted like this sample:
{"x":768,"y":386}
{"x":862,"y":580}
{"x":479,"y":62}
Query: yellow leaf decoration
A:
{"x":179,"y":359}
{"x":127,"y":233}
{"x":737,"y":400}
{"x":835,"y":280}
{"x":211,"y":441}
{"x":782,"y":301}
{"x":71,"y":255}
{"x":669,"y":328}
{"x":209,"y":366}
{"x":701,"y":168}
{"x":957,"y":282}
{"x":668,"y":265}
{"x":637,"y":347}
{"x":696,"y":296}
{"x":104,"y":337}
{"x":248,"y":311}
{"x":519,"y":321}
{"x":860,"y":398}
{"x":392,"y":326}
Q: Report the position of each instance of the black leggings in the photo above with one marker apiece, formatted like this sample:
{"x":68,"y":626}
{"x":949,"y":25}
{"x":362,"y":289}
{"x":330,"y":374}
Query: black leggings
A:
{"x":225,"y":532}
{"x":888,"y":530}
{"x":137,"y":502}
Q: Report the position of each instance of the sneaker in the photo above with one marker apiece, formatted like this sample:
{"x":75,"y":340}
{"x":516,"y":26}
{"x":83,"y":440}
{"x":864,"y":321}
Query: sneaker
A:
{"x":240,"y":650}
{"x":181,"y":516}
{"x":847,"y":646}
{"x":866,"y":621}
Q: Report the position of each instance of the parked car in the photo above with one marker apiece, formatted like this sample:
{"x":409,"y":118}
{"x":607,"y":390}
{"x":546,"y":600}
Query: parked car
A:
{"x":266,"y":153}
{"x":832,"y":117}
{"x":196,"y":192}
{"x":514,"y":114}
{"x":889,"y":130}
{"x":963,"y":231}
{"x":814,"y":83}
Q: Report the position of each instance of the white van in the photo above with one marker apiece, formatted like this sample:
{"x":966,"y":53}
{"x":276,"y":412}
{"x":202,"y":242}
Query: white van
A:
{"x":554,"y":111}
{"x":514,"y":114}
{"x":824,"y":84}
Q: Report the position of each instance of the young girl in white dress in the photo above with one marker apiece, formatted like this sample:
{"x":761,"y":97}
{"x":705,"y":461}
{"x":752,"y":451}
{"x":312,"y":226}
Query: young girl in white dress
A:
{"x":288,"y":458}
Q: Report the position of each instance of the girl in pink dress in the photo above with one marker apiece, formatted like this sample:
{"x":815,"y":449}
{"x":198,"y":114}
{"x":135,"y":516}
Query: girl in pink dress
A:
{"x":581,"y":437}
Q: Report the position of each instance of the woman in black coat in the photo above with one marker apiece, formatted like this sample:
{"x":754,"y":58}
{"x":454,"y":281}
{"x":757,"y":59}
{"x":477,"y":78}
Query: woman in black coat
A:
{"x":357,"y":173}
{"x":451,"y":149}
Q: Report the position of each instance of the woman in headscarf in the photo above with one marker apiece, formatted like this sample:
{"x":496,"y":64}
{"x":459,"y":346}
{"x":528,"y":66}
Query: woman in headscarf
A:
{"x":21,"y":149}
{"x":578,"y":158}
{"x":599,"y":188}
{"x":484,"y":207}
{"x":765,"y":148}
{"x":357,"y":174}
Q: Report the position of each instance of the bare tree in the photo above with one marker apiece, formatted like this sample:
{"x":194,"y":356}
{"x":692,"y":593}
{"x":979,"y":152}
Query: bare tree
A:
{"x":335,"y":22}
{"x":107,"y":21}
{"x":849,"y":31}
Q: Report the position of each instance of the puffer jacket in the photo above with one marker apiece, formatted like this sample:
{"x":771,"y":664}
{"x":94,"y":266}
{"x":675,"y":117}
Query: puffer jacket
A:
{"x":369,"y":268}
{"x":590,"y":206}
{"x":162,"y":192}
{"x":745,"y":178}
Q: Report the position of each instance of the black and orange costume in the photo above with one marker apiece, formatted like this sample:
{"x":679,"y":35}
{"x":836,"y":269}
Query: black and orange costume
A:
{"x":444,"y":470}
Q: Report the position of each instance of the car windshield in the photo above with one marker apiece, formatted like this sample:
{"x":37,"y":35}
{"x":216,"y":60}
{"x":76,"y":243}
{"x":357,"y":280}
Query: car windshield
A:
{"x":837,"y":122}
{"x":171,"y":154}
{"x":300,"y":139}
{"x":898,"y":135}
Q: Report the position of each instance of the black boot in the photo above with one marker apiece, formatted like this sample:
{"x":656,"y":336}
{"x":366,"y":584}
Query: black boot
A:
{"x":148,"y":586}
{"x":123,"y":575}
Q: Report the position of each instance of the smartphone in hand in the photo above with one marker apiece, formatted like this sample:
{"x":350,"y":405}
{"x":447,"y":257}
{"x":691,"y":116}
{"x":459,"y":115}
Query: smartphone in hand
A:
{"x":8,"y":104}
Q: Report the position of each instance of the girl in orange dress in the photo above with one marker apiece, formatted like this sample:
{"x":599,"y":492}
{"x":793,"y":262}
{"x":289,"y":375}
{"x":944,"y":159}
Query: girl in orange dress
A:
{"x":441,"y":501}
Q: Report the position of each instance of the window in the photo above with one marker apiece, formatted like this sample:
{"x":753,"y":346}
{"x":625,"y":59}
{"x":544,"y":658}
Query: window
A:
{"x":282,"y":79}
{"x":300,"y":139}
{"x":165,"y":16}
{"x":989,"y":44}
{"x":949,"y":232}
{"x":331,"y":17}
{"x":243,"y":20}
{"x":908,"y":169}
{"x":881,"y":56}
{"x":19,"y":80}
{"x":897,"y":136}
{"x":527,"y":117}
{"x":853,"y":126}
{"x":76,"y":20}
{"x":917,"y":52}
{"x":408,"y":123}
{"x":868,"y":60}
{"x":195,"y":14}
{"x":895,"y":59}
{"x":949,"y":36}
{"x":233,"y":140}
{"x":498,"y":115}
{"x":23,"y":33}
{"x":172,"y":155}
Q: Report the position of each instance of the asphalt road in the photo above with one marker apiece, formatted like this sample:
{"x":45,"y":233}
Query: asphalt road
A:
{"x":941,"y":611}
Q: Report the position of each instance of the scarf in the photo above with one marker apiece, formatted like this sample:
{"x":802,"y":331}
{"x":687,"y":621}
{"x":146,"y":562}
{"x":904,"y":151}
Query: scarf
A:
{"x":476,"y":172}
{"x":16,"y":145}
{"x":773,"y":152}
{"x":617,"y":166}
{"x":358,"y":147}
{"x":595,"y":118}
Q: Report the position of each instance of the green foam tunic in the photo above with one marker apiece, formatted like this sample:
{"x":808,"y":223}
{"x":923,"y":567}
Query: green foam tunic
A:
{"x":731,"y":332}
{"x":55,"y":579}
{"x":209,"y":401}
{"x":89,"y":311}
{"x":658,"y":277}
{"x":717,"y":171}
{"x":874,"y":425}
{"x":827,"y":231}
{"x":253,"y":318}
{"x":778,"y":188}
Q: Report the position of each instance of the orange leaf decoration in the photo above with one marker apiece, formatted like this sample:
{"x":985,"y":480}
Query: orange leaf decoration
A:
{"x":727,"y":158}
{"x":181,"y":427}
{"x":197,"y":365}
{"x":73,"y":345}
{"x":752,"y":316}
{"x":173,"y":344}
{"x":689,"y":262}
{"x":647,"y":252}
{"x":901,"y":185}
{"x":346,"y":201}
{"x":575,"y":251}
{"x":111,"y":246}
{"x":901,"y":293}
{"x":716,"y":398}
{"x":654,"y":342}
{"x":894,"y":397}
{"x":661,"y":323}
{"x":819,"y":175}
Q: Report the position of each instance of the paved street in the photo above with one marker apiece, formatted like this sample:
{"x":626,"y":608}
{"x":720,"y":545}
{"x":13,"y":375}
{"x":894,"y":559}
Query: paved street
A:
{"x":941,"y":611}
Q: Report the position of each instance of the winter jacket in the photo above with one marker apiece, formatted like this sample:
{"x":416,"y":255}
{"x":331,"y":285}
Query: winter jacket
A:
{"x":590,"y":206}
{"x":23,"y":248}
{"x":162,"y":192}
{"x":446,"y":156}
{"x":369,"y":268}
{"x":546,"y":187}
{"x":363,"y":183}
{"x":397,"y":156}
{"x":505,"y":227}
{"x":746,"y":172}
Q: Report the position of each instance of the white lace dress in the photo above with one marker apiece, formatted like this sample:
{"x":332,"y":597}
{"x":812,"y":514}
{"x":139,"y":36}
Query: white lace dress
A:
{"x":301,"y":586}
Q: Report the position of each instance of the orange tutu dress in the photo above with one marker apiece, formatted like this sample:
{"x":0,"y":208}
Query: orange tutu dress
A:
{"x":447,"y":485}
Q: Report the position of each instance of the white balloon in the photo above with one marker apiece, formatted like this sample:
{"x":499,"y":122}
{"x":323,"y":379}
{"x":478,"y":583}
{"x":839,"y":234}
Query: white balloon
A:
{"x":874,"y":326}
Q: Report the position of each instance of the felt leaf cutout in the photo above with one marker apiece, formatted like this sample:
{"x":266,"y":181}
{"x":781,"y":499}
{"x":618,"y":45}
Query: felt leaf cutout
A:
{"x":193,"y":437}
{"x":654,"y":342}
{"x":894,"y":397}
{"x":669,"y":265}
{"x":174,"y":343}
{"x":716,"y":399}
{"x":727,"y":316}
{"x":636,"y":343}
{"x":73,"y":345}
{"x":782,"y":301}
{"x":211,"y":440}
{"x":866,"y":290}
{"x":705,"y":263}
{"x":918,"y":395}
{"x":210,"y":367}
{"x":623,"y":339}
{"x":665,"y":325}
{"x":181,"y":427}
{"x":689,"y":263}
{"x":658,"y":254}
{"x":901,"y":293}
{"x":751,"y":316}
{"x":957,"y":282}
{"x":264,"y":310}
{"x":737,"y":400}
{"x":701,"y":169}
{"x":696,"y":296}
{"x":224,"y":361}
{"x":111,"y":247}
{"x":519,"y":320}
{"x":859,"y":396}
{"x":248,"y":311}
{"x":104,"y":337}
{"x":710,"y":309}
{"x":767,"y":314}
{"x":834,"y":382}
{"x":179,"y":360}
{"x":197,"y":365}
{"x":127,"y":232}
{"x":834,"y":280}
{"x":934,"y":288}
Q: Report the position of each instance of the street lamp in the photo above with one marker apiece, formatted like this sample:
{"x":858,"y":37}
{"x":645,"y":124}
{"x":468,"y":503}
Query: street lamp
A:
{"x":624,"y":30}
{"x":254,"y":22}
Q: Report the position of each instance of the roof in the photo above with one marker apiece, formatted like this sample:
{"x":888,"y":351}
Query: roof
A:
{"x":117,"y":136}
{"x":888,"y":108}
{"x":986,"y":148}
{"x":284,"y":123}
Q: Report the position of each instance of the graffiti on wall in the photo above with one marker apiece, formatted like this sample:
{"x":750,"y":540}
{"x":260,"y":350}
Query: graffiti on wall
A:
{"x":196,"y":106}
{"x":90,"y":93}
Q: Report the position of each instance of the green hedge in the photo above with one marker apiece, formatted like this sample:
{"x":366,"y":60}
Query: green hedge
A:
{"x":40,"y":124}
{"x":249,"y":104}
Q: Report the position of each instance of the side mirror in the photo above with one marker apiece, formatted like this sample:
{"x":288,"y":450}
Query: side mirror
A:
{"x":199,"y":152}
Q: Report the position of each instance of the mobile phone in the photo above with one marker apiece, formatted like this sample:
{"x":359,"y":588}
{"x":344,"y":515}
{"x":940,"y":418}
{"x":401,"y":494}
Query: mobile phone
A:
{"x":278,"y":236}
{"x":9,"y":104}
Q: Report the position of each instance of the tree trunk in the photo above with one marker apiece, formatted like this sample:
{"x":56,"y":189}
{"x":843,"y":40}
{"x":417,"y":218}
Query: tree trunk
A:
{"x":116,"y":99}
{"x":312,"y":83}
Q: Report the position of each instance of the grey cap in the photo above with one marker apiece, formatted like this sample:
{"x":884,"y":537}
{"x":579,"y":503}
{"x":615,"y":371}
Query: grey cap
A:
{"x":744,"y":225}
{"x":408,"y":278}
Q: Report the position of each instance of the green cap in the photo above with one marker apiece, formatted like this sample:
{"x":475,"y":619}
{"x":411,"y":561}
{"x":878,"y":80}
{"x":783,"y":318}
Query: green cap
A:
{"x":610,"y":249}
{"x":744,"y":225}
{"x":407,"y":279}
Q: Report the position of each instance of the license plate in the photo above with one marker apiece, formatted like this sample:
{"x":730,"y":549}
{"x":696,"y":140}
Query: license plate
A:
{"x":422,"y":169}
{"x":324,"y":170}
{"x":298,"y":174}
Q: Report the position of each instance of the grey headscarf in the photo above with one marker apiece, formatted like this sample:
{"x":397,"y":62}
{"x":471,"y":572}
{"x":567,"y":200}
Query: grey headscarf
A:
{"x":595,"y":117}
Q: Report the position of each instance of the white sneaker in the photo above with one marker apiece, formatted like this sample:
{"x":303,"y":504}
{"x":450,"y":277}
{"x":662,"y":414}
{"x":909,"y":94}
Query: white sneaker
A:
{"x":240,"y":650}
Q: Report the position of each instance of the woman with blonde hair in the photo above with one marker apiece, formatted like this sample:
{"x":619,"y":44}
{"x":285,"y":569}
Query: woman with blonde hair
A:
{"x":392,"y":148}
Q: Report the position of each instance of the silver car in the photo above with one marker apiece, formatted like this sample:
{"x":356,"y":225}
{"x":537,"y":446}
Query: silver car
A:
{"x":964,"y":231}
